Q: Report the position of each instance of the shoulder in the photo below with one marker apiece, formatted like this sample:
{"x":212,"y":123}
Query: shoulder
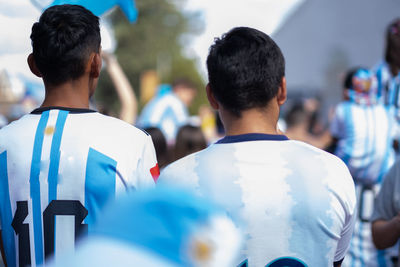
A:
{"x":116,"y":125}
{"x":329,"y":160}
{"x":181,"y":172}
{"x":23,"y":124}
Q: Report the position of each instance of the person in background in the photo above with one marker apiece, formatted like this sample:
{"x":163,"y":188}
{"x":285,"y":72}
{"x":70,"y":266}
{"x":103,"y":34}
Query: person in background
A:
{"x":160,"y":144}
{"x":168,"y":111}
{"x":161,"y":227}
{"x":126,"y":95}
{"x":298,"y":120}
{"x":189,"y":139}
{"x":60,"y":164}
{"x":296,"y":203}
{"x":386,"y":215}
{"x":363,"y":132}
{"x":388,"y":70}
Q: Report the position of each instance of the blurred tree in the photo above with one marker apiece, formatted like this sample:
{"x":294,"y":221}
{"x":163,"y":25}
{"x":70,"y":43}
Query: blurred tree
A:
{"x":156,"y":42}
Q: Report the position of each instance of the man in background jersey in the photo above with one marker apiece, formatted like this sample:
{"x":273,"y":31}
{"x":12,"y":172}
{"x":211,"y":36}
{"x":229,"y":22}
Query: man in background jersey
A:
{"x":295,"y":202}
{"x":165,"y":227}
{"x":364,"y":131}
{"x":168,"y":109}
{"x":60,"y":164}
{"x":388,"y":71}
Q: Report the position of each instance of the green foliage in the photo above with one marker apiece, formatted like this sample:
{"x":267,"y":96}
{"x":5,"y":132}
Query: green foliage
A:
{"x":155,"y":42}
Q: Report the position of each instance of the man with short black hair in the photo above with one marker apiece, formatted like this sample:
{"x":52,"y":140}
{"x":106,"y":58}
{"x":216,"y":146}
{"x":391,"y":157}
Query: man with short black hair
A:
{"x":295,"y":202}
{"x":60,"y":164}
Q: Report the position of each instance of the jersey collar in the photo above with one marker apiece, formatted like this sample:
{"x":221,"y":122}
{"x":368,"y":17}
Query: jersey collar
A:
{"x":71,"y":110}
{"x":252,"y":137}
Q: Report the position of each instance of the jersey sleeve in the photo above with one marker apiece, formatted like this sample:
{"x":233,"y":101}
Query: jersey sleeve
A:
{"x":384,"y":206}
{"x":349,"y":205}
{"x":344,"y":242}
{"x":148,"y":170}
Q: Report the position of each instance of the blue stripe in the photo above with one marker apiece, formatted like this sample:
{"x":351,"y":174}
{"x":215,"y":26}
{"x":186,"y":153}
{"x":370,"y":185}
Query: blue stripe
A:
{"x":252,"y":137}
{"x":381,"y":258}
{"x":360,"y":232}
{"x":99,"y":183}
{"x":6,"y":213}
{"x":55,"y":154}
{"x":379,"y":78}
{"x":35,"y":187}
{"x":389,"y":151}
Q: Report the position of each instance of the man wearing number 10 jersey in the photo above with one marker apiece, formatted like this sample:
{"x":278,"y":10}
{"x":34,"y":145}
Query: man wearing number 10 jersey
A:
{"x":295,"y":202}
{"x":60,"y":164}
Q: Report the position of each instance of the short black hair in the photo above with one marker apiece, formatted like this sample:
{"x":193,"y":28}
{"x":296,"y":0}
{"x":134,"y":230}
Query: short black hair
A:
{"x":63,"y":40}
{"x":245,"y":69}
{"x":393,"y":42}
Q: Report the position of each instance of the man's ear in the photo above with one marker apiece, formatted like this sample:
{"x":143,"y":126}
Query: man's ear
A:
{"x":32,"y":65}
{"x":282,"y":92}
{"x":95,"y":65}
{"x":211,"y":98}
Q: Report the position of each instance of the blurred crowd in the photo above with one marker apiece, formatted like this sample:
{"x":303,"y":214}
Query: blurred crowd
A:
{"x":362,"y":130}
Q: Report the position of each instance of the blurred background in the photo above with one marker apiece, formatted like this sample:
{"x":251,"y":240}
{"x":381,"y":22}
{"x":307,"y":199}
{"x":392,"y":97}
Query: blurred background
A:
{"x":167,"y":40}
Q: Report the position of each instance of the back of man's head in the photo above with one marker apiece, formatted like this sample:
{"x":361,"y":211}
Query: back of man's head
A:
{"x":393,"y":43}
{"x":245,"y":69}
{"x":62,"y":42}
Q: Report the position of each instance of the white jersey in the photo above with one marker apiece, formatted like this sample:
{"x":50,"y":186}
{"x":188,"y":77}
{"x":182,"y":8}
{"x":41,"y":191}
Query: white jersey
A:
{"x":295,"y":202}
{"x":59,"y":161}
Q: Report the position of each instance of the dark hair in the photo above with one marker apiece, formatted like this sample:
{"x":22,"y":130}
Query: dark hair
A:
{"x":245,"y":69}
{"x":296,"y":115}
{"x":348,"y":80}
{"x":393,"y":42}
{"x":63,"y":40}
{"x":189,"y":139}
{"x":160,"y":145}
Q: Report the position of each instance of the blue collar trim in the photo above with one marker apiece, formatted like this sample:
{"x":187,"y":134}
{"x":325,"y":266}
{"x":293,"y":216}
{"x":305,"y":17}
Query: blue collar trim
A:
{"x":252,"y":137}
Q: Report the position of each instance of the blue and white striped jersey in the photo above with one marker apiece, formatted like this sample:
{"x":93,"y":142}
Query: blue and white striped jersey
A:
{"x":365,"y":143}
{"x":295,"y":202}
{"x":58,"y":168}
{"x":365,"y":136}
{"x":388,"y":86}
{"x":166,"y":112}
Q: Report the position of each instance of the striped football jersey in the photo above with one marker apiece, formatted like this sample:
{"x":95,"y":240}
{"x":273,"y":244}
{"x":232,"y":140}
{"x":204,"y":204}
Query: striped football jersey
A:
{"x":58,"y":168}
{"x":295,"y":202}
{"x":365,"y":136}
{"x":388,"y":86}
{"x":166,"y":112}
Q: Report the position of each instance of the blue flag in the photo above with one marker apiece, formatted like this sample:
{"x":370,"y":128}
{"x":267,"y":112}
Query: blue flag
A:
{"x":98,"y":7}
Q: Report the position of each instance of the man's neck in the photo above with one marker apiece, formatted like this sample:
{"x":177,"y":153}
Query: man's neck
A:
{"x":72,"y":94}
{"x":251,"y":121}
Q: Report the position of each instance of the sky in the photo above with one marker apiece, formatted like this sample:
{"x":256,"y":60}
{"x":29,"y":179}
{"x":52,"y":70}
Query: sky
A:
{"x":222,"y":15}
{"x":219,"y":16}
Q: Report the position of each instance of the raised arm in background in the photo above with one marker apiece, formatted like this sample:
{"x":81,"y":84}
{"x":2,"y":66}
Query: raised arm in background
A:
{"x":124,"y":89}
